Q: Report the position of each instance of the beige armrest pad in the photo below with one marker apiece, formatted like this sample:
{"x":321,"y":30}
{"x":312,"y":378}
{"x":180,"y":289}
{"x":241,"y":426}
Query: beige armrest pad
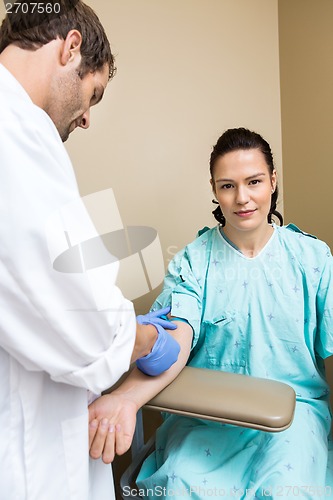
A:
{"x":227,"y":397}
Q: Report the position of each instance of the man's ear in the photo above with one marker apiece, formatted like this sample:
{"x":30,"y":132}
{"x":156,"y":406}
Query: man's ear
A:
{"x":71,"y":47}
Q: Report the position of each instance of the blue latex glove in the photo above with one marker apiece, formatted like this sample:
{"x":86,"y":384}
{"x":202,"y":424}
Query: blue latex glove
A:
{"x":157,"y":318}
{"x":163,"y":355}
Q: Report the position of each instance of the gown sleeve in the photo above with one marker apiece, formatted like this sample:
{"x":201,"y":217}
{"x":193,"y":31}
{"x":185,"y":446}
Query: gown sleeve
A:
{"x":324,"y":334}
{"x":182,"y":291}
{"x":49,"y":320}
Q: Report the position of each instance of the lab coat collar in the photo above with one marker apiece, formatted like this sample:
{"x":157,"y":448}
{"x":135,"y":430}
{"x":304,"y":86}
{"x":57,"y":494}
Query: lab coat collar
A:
{"x":14,"y":86}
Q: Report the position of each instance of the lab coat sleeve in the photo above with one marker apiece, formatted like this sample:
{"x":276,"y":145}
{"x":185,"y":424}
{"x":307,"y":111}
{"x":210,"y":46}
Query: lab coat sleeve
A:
{"x":50,"y":321}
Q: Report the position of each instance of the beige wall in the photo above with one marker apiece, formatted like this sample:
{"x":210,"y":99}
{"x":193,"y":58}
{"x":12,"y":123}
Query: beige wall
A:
{"x":186,"y":71}
{"x":306,"y":48}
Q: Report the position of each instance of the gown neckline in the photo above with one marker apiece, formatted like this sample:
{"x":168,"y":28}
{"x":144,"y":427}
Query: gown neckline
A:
{"x":234,"y":247}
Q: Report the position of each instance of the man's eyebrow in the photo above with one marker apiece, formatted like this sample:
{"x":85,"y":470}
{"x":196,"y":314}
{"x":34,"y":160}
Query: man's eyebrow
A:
{"x":99,"y":95}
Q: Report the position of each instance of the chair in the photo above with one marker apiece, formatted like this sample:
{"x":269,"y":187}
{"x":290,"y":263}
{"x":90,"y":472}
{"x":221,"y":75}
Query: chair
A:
{"x":229,"y":398}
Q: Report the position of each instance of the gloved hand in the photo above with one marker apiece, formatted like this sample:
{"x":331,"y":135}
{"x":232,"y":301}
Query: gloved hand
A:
{"x":163,"y":355}
{"x":156,"y":318}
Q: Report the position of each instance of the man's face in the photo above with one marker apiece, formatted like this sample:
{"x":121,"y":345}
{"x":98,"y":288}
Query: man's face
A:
{"x":72,"y":98}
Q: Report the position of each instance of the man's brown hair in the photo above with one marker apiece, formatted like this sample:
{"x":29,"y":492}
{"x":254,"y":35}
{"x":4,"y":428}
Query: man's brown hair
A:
{"x":30,"y":30}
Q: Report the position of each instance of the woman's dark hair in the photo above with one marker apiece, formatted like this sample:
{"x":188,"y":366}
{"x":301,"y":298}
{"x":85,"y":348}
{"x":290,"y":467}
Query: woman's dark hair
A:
{"x":235,"y":139}
{"x":32,"y":30}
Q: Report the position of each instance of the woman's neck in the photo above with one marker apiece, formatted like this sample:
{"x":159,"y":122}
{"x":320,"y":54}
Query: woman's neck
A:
{"x":249,"y":243}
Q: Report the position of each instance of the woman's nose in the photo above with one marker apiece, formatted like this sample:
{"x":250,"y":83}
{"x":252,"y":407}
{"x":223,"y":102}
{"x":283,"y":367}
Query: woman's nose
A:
{"x":242,"y":196}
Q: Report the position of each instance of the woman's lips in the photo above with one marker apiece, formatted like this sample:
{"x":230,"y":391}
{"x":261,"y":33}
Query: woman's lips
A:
{"x":245,"y":213}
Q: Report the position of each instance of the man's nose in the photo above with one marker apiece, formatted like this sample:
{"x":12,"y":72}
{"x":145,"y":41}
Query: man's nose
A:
{"x":85,"y":119}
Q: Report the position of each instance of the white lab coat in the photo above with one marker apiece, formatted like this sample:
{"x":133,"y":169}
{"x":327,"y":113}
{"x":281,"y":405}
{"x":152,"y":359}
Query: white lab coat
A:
{"x":54,"y":343}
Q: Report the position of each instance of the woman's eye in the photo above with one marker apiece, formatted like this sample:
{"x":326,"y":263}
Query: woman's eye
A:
{"x":226,"y":186}
{"x":255,"y":181}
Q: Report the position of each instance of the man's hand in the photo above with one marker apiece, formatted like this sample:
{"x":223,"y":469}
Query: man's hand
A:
{"x":146,"y":331}
{"x":146,"y":336}
{"x":158,"y":317}
{"x":112,"y":420}
{"x":163,"y":355}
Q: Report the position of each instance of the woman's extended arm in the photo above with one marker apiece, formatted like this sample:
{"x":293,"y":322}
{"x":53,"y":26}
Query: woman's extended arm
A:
{"x":112,"y":417}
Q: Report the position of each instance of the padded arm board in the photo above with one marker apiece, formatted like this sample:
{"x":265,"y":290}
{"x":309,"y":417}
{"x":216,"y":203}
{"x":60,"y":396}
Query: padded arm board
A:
{"x":234,"y":399}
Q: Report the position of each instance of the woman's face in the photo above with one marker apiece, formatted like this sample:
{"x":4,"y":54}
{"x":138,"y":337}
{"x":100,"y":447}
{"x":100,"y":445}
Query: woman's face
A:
{"x":243,"y":186}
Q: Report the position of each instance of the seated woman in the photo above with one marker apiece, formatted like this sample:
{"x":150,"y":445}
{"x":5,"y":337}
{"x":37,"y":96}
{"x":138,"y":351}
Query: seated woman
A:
{"x":258,"y":300}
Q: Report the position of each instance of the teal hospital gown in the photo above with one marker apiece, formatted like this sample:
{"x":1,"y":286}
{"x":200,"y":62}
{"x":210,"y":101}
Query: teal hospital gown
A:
{"x":269,"y":316}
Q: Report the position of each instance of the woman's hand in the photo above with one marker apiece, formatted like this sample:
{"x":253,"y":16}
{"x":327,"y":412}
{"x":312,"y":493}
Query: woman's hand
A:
{"x":112,"y":420}
{"x":112,"y":417}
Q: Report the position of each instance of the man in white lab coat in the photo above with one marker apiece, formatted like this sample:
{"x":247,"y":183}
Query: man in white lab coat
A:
{"x":54,"y":342}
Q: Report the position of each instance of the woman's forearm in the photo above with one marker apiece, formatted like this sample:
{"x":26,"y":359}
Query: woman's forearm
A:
{"x":140,"y":388}
{"x":112,"y":416}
